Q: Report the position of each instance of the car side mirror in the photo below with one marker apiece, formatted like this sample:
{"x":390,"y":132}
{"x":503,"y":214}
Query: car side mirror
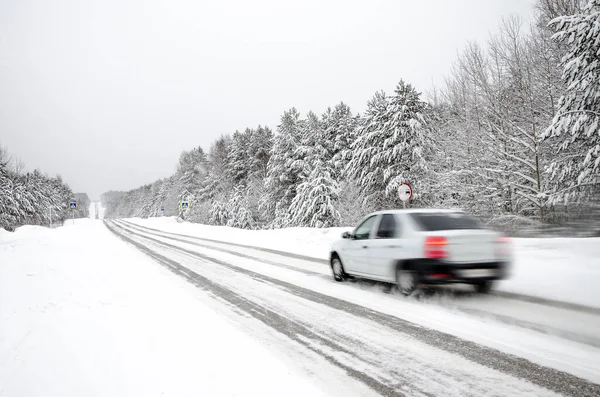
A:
{"x":346,"y":235}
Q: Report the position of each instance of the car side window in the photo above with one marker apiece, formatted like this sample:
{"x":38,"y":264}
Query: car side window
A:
{"x":388,"y":226}
{"x":363,"y":231}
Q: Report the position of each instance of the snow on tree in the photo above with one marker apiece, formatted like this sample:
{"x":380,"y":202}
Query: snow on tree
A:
{"x":575,"y":172}
{"x":317,"y":192}
{"x":219,"y":213}
{"x":283,"y":171}
{"x":314,"y":203}
{"x":493,"y":112}
{"x":216,"y":181}
{"x":339,"y":132}
{"x":261,"y":142}
{"x":248,"y":154}
{"x":390,"y":145}
{"x":28,"y":198}
{"x":238,"y":212}
{"x":192,"y":169}
{"x":238,"y":156}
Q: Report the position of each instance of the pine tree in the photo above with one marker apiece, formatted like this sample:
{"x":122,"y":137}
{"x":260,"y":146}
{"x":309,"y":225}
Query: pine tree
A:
{"x":261,"y":142}
{"x":339,"y":132}
{"x":390,"y":146}
{"x":314,"y":204}
{"x":216,"y":181}
{"x":192,"y":169}
{"x":238,"y":156}
{"x":28,"y":198}
{"x":283,"y":170}
{"x":238,"y":212}
{"x":576,"y":172}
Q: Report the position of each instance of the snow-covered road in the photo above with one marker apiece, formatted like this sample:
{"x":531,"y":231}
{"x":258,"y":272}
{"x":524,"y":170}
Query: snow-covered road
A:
{"x":84,"y":313}
{"x":449,"y":344}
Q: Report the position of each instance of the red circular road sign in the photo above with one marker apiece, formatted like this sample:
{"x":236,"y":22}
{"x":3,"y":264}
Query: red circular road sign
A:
{"x":405,"y":192}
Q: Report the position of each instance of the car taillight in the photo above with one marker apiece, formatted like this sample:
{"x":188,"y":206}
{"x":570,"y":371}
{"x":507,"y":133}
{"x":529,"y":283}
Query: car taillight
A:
{"x":502,"y":246}
{"x":435,"y":247}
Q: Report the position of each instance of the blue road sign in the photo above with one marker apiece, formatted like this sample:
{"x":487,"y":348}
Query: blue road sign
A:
{"x":185,"y":204}
{"x":73,"y":205}
{"x":162,"y":209}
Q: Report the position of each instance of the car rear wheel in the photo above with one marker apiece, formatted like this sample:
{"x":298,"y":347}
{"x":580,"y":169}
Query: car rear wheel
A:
{"x":406,"y":281}
{"x":339,"y":274}
{"x":483,"y":287}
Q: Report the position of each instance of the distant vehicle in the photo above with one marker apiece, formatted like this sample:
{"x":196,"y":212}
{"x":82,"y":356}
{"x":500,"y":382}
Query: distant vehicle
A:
{"x":424,"y":246}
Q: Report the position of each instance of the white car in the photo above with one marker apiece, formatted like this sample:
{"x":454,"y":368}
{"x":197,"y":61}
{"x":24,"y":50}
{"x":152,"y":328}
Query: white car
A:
{"x":422,"y":246}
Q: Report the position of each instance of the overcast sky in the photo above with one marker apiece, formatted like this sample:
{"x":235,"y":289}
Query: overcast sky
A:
{"x":108,"y":93}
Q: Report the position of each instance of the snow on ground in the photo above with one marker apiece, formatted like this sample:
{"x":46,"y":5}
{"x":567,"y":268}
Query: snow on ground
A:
{"x":101,"y":210}
{"x":83,"y":313}
{"x":96,"y":210}
{"x":564,"y":269}
{"x":299,"y":240}
{"x":541,"y":348}
{"x":92,"y":210}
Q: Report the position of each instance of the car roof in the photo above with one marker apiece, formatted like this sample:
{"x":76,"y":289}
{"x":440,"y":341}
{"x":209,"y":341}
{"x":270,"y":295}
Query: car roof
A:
{"x":416,"y":211}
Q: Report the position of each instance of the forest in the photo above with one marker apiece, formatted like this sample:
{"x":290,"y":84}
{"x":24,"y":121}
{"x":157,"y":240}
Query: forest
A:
{"x":32,"y":198}
{"x":511,"y":136}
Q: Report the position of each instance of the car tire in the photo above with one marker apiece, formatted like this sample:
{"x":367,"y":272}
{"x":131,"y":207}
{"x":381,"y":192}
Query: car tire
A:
{"x":406,"y":281}
{"x":483,"y":287}
{"x":337,"y":268}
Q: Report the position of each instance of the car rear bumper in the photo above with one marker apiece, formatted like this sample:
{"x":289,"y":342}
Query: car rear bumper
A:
{"x":439,"y":272}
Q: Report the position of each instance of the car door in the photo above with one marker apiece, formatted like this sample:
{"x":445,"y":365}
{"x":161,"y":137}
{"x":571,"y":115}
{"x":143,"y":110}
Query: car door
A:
{"x":386,"y":247}
{"x":354,"y":251}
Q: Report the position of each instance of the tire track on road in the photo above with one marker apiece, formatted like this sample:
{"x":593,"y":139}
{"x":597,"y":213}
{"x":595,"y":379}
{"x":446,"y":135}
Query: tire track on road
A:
{"x":517,"y":367}
{"x":225,"y":250}
{"x":544,"y":329}
{"x":501,"y":294}
{"x":294,"y":331}
{"x":269,"y":250}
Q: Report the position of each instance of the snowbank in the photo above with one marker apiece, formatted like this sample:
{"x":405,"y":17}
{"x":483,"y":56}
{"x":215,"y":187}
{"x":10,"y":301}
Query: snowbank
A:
{"x":23,"y":232}
{"x":564,"y":269}
{"x":84,"y":314}
{"x":299,"y":240}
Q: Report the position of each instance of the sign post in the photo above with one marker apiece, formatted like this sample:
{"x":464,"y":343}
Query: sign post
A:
{"x":73,"y":207}
{"x":183,"y":206}
{"x":405,"y":192}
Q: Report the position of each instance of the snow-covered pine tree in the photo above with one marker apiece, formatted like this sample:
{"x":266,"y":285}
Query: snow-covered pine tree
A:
{"x":339,"y":132}
{"x":314,"y":203}
{"x":28,"y":198}
{"x":192,"y":169}
{"x":219,"y":214}
{"x":575,"y":172}
{"x":317,"y":192}
{"x":312,"y":147}
{"x":238,"y":210}
{"x":216,"y":181}
{"x":261,"y":142}
{"x":283,"y":173}
{"x":390,"y":146}
{"x":238,"y":156}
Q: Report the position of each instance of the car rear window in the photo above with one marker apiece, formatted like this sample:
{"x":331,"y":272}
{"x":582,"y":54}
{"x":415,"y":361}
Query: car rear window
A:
{"x":433,"y":221}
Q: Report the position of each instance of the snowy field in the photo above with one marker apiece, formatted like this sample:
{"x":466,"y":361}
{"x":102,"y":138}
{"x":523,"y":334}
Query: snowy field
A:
{"x":84,"y":314}
{"x":563,"y":269}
